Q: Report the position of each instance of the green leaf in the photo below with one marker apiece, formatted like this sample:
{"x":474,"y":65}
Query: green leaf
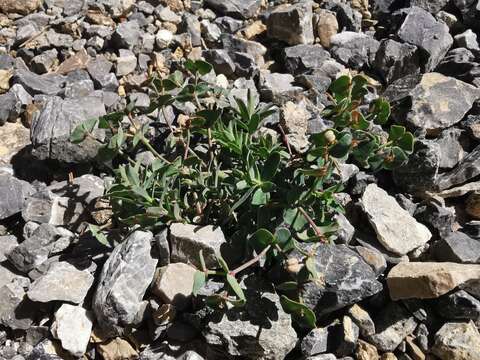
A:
{"x":287,"y":286}
{"x":259,"y":197}
{"x":342,"y":147}
{"x":295,"y":219}
{"x":380,"y":108}
{"x":203,"y":67}
{"x":235,"y":286}
{"x":311,"y":267}
{"x":406,"y":142}
{"x":261,"y":239}
{"x":82,"y":130}
{"x":96,"y":232}
{"x":396,"y":132}
{"x":339,"y":88}
{"x":270,"y":167}
{"x":300,"y":313}
{"x":223,"y":263}
{"x":199,"y":280}
{"x":359,"y":89}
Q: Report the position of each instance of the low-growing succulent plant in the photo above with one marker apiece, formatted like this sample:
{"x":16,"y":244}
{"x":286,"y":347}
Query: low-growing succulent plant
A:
{"x":216,"y":165}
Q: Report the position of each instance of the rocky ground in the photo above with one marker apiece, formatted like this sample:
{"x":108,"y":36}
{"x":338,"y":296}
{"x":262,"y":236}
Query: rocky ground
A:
{"x":403,"y":281}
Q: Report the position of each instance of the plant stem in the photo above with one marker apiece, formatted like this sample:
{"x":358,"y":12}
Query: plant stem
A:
{"x":312,"y":224}
{"x":250,"y":262}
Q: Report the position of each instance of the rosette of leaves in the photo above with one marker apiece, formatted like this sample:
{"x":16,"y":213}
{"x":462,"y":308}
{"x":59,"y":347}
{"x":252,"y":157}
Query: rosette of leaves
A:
{"x":216,"y":165}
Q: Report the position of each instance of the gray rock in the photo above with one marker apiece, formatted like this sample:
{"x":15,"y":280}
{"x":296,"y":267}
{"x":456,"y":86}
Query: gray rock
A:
{"x":348,"y":337}
{"x":174,"y":284}
{"x":467,"y":169}
{"x":437,"y":217}
{"x":349,"y":19}
{"x":457,"y":341}
{"x":353,"y":49}
{"x":301,"y":58}
{"x":13,"y":103}
{"x":242,"y":9}
{"x":421,"y":29}
{"x":163,"y":247}
{"x":432,"y":7}
{"x":396,"y":229}
{"x":348,"y":279}
{"x":7,"y":243}
{"x":211,"y":32}
{"x":373,"y":257}
{"x":79,"y":88}
{"x":472,"y":125}
{"x":345,"y":231}
{"x":220,"y":60}
{"x":16,"y":311}
{"x":469,"y":11}
{"x":187,"y":240}
{"x":62,"y":282}
{"x":292,"y":23}
{"x":451,"y":149}
{"x":437,"y":101}
{"x":274,"y":86}
{"x":53,"y":124}
{"x":393,"y":324}
{"x":234,"y":44}
{"x":127,"y":35}
{"x":13,"y":193}
{"x":260,"y":330}
{"x":459,"y":305}
{"x":45,"y":61}
{"x":468,"y":40}
{"x":123,"y":282}
{"x":126,"y":62}
{"x":394,"y":60}
{"x":48,"y":84}
{"x":315,"y":342}
{"x":458,"y":247}
{"x":72,"y":326}
{"x":363,"y":320}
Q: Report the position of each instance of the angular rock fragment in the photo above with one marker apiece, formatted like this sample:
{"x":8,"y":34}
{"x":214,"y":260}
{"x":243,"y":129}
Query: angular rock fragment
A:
{"x":123,"y":282}
{"x":187,"y":240}
{"x":459,"y":305}
{"x":457,"y":247}
{"x":394,"y":60}
{"x":72,"y":326}
{"x":292,"y":23}
{"x":325,"y":25}
{"x":457,"y":341}
{"x":62,"y":282}
{"x":428,"y":280}
{"x":16,"y":310}
{"x":243,"y":9}
{"x":174,"y":284}
{"x":353,"y":49}
{"x":396,"y":229}
{"x":23,"y":7}
{"x":468,"y":168}
{"x":7,"y":243}
{"x":13,"y":193}
{"x":301,"y":58}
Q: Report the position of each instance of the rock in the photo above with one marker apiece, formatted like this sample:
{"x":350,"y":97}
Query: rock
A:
{"x":301,"y":58}
{"x":274,"y":86}
{"x":174,"y":284}
{"x":187,"y":240}
{"x":394,"y":60}
{"x":458,"y":63}
{"x":473,"y":205}
{"x":235,"y":44}
{"x":72,"y":326}
{"x":123,"y":282}
{"x":7,"y":243}
{"x":421,"y":29}
{"x":348,"y":279}
{"x":437,"y":101}
{"x":348,"y":337}
{"x":261,"y":330}
{"x":294,"y":121}
{"x":23,"y":7}
{"x":468,"y":40}
{"x":315,"y":342}
{"x":353,"y":49}
{"x":363,"y":320}
{"x":127,"y":35}
{"x":432,"y":7}
{"x":366,"y":351}
{"x":13,"y":103}
{"x":437,"y":217}
{"x":126,"y":62}
{"x":241,"y":9}
{"x":292,"y":23}
{"x":86,"y":189}
{"x":13,"y":194}
{"x":392,"y":325}
{"x":163,"y":38}
{"x":457,"y":341}
{"x":396,"y":229}
{"x":458,"y":247}
{"x":345,"y":229}
{"x":62,"y":282}
{"x":459,"y":305}
{"x":421,"y":171}
{"x":451,"y":149}
{"x":372,"y":257}
{"x":467,"y":169}
{"x":44,"y":62}
{"x":16,"y":311}
{"x":117,"y":349}
{"x":325,"y":26}
{"x":48,"y":84}
{"x":428,"y":280}
{"x":53,"y":124}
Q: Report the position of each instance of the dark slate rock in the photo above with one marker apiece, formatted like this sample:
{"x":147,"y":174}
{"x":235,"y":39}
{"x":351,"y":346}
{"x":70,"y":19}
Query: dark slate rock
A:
{"x":349,"y":19}
{"x":421,"y":29}
{"x":221,"y":61}
{"x":16,"y":311}
{"x":459,"y":248}
{"x":450,"y":143}
{"x":470,"y":12}
{"x":315,"y":342}
{"x":48,"y":84}
{"x":245,"y":65}
{"x":242,"y":9}
{"x":348,"y":279}
{"x":394,"y":60}
{"x":125,"y":277}
{"x":301,"y":58}
{"x":458,"y":63}
{"x":467,"y":169}
{"x":353,"y":49}
{"x":13,"y":193}
{"x":53,"y":124}
{"x":437,"y":217}
{"x":458,"y":305}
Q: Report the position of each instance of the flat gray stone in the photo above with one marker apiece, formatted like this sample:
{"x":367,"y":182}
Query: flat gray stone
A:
{"x":292,"y":23}
{"x":13,"y":193}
